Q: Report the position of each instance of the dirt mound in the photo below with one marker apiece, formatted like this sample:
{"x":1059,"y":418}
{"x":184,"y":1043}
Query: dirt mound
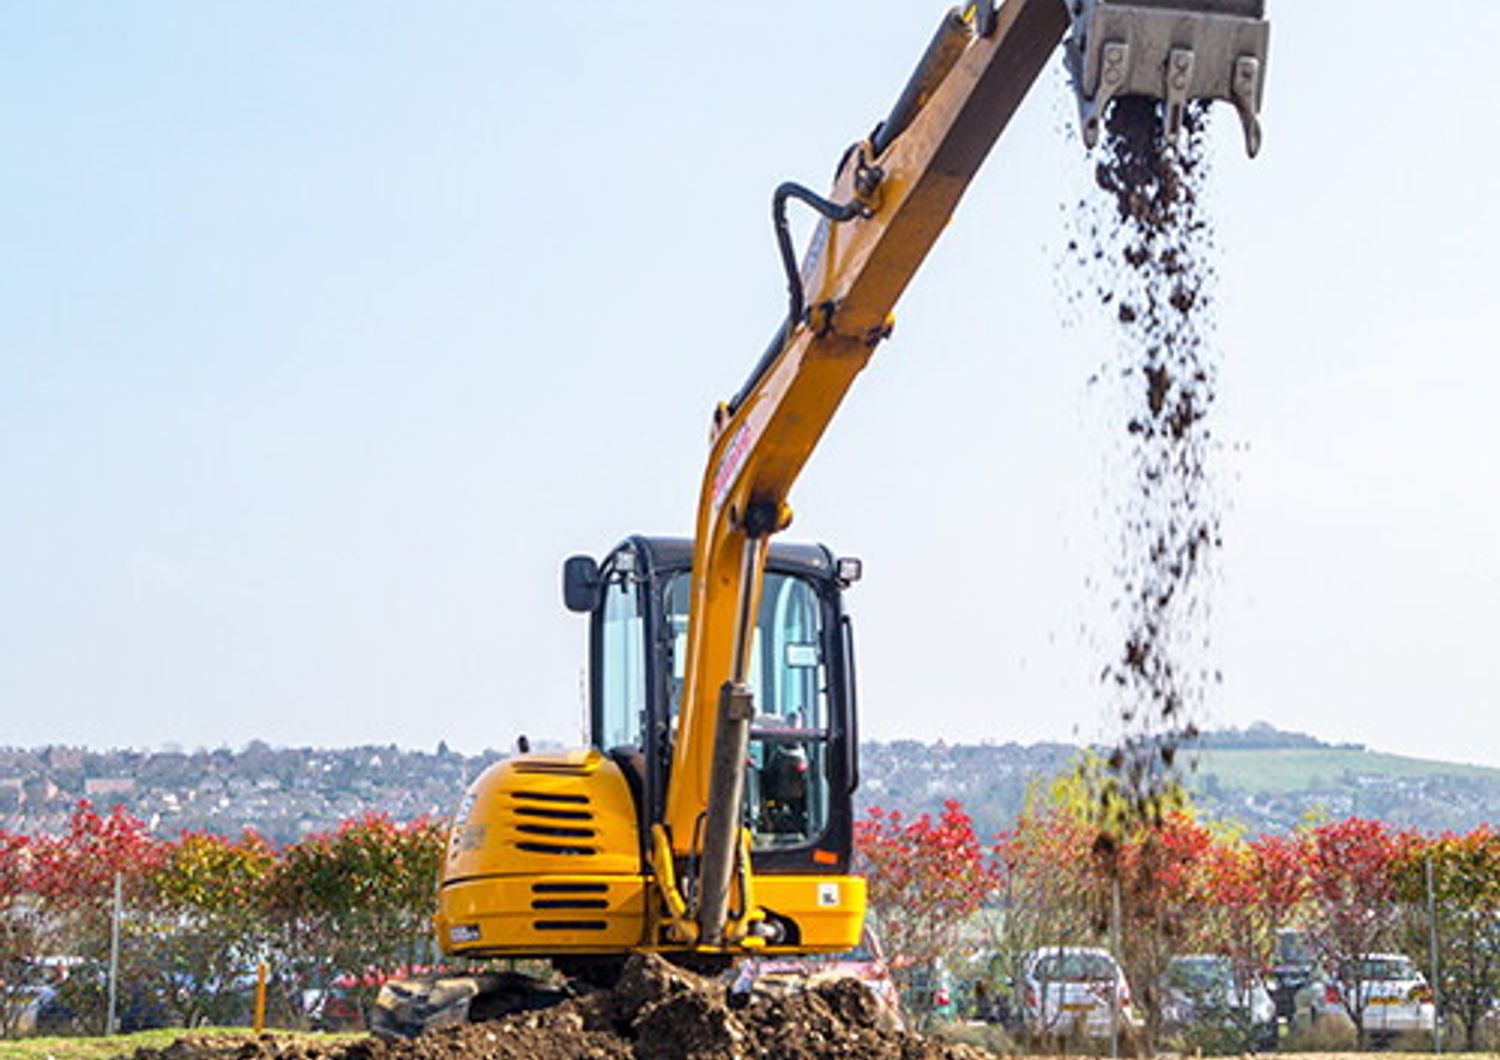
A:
{"x":657,"y":1012}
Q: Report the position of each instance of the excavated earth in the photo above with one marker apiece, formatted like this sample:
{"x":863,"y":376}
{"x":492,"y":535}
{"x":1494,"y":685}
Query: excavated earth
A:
{"x":657,"y":1012}
{"x":1148,"y":242}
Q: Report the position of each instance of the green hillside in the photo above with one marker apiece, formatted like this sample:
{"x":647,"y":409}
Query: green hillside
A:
{"x":1279,"y":771}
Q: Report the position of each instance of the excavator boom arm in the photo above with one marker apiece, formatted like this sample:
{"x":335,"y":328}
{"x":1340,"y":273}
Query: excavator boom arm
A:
{"x":893,"y":194}
{"x":899,"y":200}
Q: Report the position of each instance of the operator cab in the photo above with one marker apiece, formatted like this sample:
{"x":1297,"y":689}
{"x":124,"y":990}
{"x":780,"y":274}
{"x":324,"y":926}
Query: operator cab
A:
{"x":801,"y":768}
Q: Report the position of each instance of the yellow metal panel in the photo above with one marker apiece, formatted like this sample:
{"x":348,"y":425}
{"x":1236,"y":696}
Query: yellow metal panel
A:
{"x":520,"y":915}
{"x":828,"y":910}
{"x":542,"y":914}
{"x":569,"y":814}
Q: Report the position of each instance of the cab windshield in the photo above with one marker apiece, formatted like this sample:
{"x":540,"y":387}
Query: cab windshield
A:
{"x":787,"y":783}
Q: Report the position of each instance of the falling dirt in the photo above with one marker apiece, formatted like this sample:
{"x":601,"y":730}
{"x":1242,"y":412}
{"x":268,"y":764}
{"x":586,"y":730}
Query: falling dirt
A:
{"x":1148,"y":248}
{"x":657,"y":1012}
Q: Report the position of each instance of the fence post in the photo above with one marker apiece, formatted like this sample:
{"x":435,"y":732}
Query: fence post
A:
{"x":260,"y":997}
{"x":110,"y":1022}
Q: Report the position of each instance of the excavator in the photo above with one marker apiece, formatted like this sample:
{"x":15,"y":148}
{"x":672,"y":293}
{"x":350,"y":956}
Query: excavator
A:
{"x":711,"y":815}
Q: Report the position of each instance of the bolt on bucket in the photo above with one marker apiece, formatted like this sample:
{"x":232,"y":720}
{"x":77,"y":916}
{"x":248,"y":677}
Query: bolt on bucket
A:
{"x":1175,"y":51}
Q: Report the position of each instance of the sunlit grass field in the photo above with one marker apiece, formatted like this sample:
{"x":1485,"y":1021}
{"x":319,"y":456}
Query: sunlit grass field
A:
{"x":125,"y":1044}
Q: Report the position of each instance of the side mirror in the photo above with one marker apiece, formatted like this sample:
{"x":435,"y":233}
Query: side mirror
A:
{"x":581,"y":584}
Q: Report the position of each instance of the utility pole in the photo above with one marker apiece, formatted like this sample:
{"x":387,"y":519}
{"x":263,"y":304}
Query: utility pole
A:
{"x":110,"y":1023}
{"x":1432,"y":952}
{"x":1114,"y":946}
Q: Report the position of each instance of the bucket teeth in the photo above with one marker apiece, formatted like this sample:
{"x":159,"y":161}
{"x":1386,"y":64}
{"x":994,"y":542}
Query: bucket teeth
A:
{"x":1176,"y":51}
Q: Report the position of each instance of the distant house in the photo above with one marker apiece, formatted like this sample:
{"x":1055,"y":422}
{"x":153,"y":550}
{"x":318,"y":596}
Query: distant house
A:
{"x":39,"y":791}
{"x":65,"y":759}
{"x":98,"y":788}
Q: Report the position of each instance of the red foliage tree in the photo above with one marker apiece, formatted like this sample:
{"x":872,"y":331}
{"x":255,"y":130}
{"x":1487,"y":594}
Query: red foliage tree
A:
{"x":358,"y":901}
{"x":1250,"y":889}
{"x":1050,"y":889}
{"x":926,"y":877}
{"x":1280,"y":872}
{"x":77,"y":869}
{"x":72,"y":882}
{"x":1354,"y":899}
{"x":200,"y":912}
{"x":18,"y":928}
{"x":1165,"y":902}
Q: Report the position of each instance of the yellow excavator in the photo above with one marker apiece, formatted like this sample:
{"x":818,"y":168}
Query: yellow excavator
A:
{"x":711,"y":815}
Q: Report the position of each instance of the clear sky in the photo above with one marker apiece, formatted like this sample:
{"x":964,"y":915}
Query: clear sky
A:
{"x":328,"y":330}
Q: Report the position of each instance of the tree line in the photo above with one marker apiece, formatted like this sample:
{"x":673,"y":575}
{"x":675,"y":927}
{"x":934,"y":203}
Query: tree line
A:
{"x":1179,"y":885}
{"x":200,"y":913}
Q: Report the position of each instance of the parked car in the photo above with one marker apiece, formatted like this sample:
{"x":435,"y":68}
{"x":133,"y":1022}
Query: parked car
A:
{"x":1074,"y":990}
{"x":930,"y":994}
{"x":73,"y":1000}
{"x":993,"y":998}
{"x":1385,"y":988}
{"x":339,"y":1006}
{"x":779,"y":976}
{"x":1292,"y":970}
{"x":33,"y":1003}
{"x":22,"y":1009}
{"x":1204,"y":992}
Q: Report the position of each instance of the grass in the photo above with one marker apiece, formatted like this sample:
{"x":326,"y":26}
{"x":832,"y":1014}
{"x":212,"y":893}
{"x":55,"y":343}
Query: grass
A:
{"x":1313,"y":768}
{"x":96,"y":1048}
{"x":125,"y":1044}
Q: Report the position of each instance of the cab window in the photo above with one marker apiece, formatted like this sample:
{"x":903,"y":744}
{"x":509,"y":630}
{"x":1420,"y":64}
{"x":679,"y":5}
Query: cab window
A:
{"x":620,"y":715}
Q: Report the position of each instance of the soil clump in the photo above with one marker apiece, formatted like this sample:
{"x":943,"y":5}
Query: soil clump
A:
{"x":656,"y":1012}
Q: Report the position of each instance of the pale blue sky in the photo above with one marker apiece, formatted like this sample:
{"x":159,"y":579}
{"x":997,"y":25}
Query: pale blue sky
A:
{"x":328,"y":330}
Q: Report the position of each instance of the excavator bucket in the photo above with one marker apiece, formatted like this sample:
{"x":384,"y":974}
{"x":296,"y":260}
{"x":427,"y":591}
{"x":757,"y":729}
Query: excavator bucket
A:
{"x":1175,"y":51}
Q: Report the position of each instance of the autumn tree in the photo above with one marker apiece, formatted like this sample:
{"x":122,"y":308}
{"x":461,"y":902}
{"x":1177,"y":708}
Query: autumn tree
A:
{"x":210,"y":894}
{"x":18,"y":928}
{"x":1465,"y":876}
{"x":926,"y":877}
{"x":1078,"y":847}
{"x":1232,"y":924}
{"x":1354,"y":903}
{"x":1280,"y":873}
{"x":1165,"y":900}
{"x":1049,"y":890}
{"x":358,"y":901}
{"x":72,"y":881}
{"x":1250,"y":889}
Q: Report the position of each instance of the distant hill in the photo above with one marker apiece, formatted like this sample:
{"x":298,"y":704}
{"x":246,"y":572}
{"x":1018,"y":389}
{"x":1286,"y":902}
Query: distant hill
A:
{"x":1267,"y":779}
{"x":1272,"y":790}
